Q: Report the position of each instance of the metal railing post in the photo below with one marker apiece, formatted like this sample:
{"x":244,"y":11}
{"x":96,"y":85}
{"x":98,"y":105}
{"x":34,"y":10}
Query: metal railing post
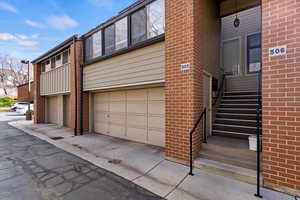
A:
{"x":204,"y":127}
{"x":191,"y":155}
{"x":258,"y":144}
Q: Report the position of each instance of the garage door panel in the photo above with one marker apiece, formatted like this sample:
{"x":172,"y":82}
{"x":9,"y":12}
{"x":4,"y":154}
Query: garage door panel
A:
{"x":52,"y":110}
{"x":156,"y":94}
{"x":156,"y":137}
{"x":137,"y":115}
{"x":137,"y":95}
{"x":137,"y":134}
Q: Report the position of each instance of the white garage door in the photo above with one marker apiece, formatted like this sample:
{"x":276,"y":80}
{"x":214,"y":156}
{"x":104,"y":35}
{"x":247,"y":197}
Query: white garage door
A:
{"x":137,"y":115}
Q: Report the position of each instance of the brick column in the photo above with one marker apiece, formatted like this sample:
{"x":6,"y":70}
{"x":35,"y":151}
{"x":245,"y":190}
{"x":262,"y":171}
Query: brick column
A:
{"x":281,"y":96}
{"x":183,"y":87}
{"x":76,"y":59}
{"x":39,"y":101}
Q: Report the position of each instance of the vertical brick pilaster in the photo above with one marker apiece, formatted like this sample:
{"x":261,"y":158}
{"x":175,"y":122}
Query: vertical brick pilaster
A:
{"x":281,"y":96}
{"x":76,"y":59}
{"x":183,"y":88}
{"x":39,"y":101}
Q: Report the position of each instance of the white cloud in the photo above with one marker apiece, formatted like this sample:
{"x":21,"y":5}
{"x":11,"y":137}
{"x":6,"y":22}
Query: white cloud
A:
{"x":7,"y":36}
{"x":61,"y":22}
{"x":33,"y":24}
{"x":22,"y":36}
{"x":20,"y":39}
{"x":8,"y":7}
{"x":27,"y":43}
{"x":35,"y":36}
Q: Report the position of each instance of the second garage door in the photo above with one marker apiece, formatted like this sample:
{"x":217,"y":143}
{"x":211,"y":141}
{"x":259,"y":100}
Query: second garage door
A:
{"x":52,"y":109}
{"x":137,"y":115}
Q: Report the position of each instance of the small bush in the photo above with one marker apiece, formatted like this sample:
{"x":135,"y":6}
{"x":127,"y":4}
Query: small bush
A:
{"x":6,"y":101}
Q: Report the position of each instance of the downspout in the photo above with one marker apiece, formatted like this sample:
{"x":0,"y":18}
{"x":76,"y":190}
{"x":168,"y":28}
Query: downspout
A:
{"x":75,"y":72}
{"x":81,"y":99}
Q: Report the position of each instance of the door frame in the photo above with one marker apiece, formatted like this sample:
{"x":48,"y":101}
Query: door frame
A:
{"x":239,"y":38}
{"x":209,"y":110}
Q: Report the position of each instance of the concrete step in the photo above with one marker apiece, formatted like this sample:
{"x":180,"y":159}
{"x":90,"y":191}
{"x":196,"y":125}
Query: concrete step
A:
{"x":236,"y":116}
{"x":230,"y":134}
{"x":241,"y":105}
{"x":235,"y":128}
{"x":239,"y":93}
{"x":239,"y":101}
{"x":237,"y":110}
{"x":227,"y":97}
{"x":227,"y":170}
{"x":241,"y":122}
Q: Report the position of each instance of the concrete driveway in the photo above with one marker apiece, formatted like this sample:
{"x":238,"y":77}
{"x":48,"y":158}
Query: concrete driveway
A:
{"x":31,"y":169}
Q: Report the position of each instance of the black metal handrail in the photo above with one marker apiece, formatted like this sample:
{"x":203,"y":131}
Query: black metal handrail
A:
{"x":258,"y":133}
{"x":220,"y":90}
{"x":203,"y":114}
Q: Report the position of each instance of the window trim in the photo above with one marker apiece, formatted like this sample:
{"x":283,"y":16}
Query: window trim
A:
{"x":248,"y":50}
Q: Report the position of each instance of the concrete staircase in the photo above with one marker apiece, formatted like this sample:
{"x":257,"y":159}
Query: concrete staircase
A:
{"x":236,"y":115}
{"x":228,"y":156}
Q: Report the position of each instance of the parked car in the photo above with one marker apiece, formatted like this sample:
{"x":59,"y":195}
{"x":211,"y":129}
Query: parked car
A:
{"x":19,"y":105}
{"x":23,"y":109}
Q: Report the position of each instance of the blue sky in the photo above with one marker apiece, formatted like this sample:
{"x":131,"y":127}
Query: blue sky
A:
{"x":29,"y":28}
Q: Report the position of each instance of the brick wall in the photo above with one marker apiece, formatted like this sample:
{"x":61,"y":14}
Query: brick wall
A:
{"x":39,"y":101}
{"x":76,"y":58}
{"x":23,"y":93}
{"x":281,"y":96}
{"x":183,"y":88}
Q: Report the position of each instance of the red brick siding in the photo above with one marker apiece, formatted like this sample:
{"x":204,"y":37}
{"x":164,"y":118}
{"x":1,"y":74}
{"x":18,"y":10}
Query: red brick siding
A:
{"x":23,"y":93}
{"x":281,"y":95}
{"x":39,"y":101}
{"x":183,"y":88}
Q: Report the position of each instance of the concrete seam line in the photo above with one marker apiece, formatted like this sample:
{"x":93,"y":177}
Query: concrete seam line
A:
{"x":176,"y":186}
{"x":148,"y":170}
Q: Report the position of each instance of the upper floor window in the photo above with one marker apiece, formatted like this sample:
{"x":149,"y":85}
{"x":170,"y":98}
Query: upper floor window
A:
{"x":121,"y":33}
{"x":155,"y":18}
{"x":58,"y":61}
{"x":254,"y":53}
{"x":109,"y":39}
{"x":145,"y":23}
{"x":97,"y":44}
{"x":65,"y":57}
{"x":138,"y":26}
{"x":47,"y":66}
{"x":52,"y":60}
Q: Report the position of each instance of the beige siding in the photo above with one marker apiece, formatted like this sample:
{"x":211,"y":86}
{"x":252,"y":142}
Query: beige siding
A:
{"x":55,"y":81}
{"x":133,"y":68}
{"x":244,"y":83}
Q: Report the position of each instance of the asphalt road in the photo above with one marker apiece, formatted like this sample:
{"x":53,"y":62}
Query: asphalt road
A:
{"x":31,"y":169}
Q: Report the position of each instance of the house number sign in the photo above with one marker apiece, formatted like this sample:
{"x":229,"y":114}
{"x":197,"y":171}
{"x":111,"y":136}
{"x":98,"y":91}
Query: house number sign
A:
{"x":185,"y":66}
{"x":277,"y":51}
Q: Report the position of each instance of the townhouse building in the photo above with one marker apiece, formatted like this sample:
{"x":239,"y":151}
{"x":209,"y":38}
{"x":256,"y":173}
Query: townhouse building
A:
{"x":197,"y":78}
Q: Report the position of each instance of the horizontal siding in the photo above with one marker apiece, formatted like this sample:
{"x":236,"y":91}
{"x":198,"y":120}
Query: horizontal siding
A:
{"x":55,"y":81}
{"x":142,"y":65}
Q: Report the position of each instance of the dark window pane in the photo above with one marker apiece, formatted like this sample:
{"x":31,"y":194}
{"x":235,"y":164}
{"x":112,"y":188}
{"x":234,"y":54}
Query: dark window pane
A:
{"x":109,"y":36}
{"x":156,"y":18}
{"x":65,"y":57}
{"x":254,"y":40}
{"x":43,"y":66}
{"x":138,"y":26}
{"x":53,"y":63}
{"x":121,"y":33}
{"x":97,"y":44}
{"x":254,"y":53}
{"x":88,"y":48}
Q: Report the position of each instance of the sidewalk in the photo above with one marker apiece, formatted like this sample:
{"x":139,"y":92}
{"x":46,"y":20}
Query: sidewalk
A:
{"x":145,"y":166}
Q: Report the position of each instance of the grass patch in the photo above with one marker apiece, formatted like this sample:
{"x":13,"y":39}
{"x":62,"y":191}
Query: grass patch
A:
{"x":6,"y":102}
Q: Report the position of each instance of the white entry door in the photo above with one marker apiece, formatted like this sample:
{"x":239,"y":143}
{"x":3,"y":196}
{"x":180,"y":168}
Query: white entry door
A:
{"x":231,"y":57}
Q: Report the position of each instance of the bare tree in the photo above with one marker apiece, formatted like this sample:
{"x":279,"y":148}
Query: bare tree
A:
{"x":12,"y":73}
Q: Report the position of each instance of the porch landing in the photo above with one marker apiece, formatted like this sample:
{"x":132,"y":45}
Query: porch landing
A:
{"x":229,"y":157}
